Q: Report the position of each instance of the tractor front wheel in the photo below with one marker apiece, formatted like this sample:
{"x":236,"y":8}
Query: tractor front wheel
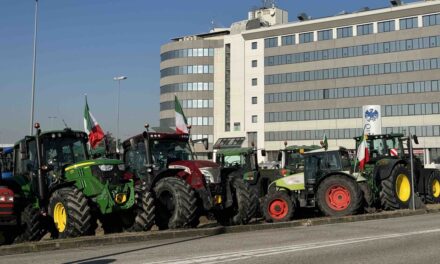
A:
{"x":433,"y":188}
{"x":338,"y":195}
{"x":244,"y":206}
{"x":176,"y":203}
{"x":277,"y":207}
{"x":396,"y":189}
{"x":70,"y":212}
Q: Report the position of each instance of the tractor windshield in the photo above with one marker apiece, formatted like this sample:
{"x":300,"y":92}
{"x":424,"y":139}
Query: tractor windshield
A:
{"x":294,"y":160}
{"x":6,"y":160}
{"x":63,"y":151}
{"x":381,"y":147}
{"x":165,"y":151}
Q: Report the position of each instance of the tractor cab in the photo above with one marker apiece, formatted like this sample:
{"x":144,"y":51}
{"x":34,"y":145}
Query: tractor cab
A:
{"x":291,"y":158}
{"x":238,"y":158}
{"x":6,"y":163}
{"x":384,"y":146}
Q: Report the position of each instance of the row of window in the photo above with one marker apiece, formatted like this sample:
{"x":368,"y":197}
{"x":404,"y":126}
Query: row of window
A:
{"x":353,"y":51}
{"x":348,"y":133}
{"x":209,"y":137}
{"x":188,"y":104}
{"x":200,"y":120}
{"x":353,"y":71}
{"x":351,"y":92}
{"x":345,"y":32}
{"x":187,"y":69}
{"x":351,"y":112}
{"x":184,"y":53}
{"x":183,"y":87}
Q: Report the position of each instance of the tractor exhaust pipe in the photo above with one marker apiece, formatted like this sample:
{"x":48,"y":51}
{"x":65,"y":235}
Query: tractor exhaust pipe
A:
{"x":41,"y":183}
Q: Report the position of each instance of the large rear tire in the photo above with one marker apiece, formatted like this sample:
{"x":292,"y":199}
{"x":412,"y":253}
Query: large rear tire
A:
{"x":31,"y":226}
{"x":395,"y":190}
{"x":338,"y":195}
{"x":70,"y":212}
{"x":143,"y":212}
{"x":277,"y":207}
{"x":176,"y":204}
{"x":433,"y":188}
{"x":244,"y":206}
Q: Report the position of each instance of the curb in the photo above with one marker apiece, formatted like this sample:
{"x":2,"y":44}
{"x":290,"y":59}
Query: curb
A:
{"x":200,"y":232}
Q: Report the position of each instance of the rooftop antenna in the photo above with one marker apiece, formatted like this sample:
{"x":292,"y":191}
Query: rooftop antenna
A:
{"x":65,"y":124}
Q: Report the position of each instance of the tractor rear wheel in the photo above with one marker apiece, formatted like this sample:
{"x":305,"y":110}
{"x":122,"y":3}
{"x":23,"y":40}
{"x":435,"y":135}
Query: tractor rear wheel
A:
{"x":396,"y":189}
{"x":70,"y":212}
{"x":433,"y":188}
{"x":277,"y":207}
{"x":244,"y":204}
{"x":143,"y":213}
{"x":338,"y":195}
{"x":32,"y":226}
{"x":176,"y":204}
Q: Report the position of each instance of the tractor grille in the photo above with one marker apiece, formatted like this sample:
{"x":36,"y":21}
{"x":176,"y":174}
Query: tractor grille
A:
{"x":115,"y":176}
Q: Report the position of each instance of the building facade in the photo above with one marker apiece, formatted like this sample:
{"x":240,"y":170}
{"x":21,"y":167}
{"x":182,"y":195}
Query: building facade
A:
{"x":275,"y":81}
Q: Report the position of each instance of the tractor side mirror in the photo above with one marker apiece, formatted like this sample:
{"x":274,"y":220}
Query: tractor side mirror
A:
{"x":210,"y":154}
{"x":280,"y":156}
{"x":416,"y":139}
{"x":263,"y":152}
{"x":23,"y":150}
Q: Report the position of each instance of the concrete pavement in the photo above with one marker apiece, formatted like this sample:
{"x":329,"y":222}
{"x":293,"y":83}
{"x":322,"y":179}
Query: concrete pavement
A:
{"x":413,"y":239}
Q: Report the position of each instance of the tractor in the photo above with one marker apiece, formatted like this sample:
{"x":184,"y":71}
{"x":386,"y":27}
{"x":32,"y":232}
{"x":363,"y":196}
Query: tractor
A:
{"x":185,"y":188}
{"x":62,"y":191}
{"x":389,"y":173}
{"x":244,"y":163}
{"x":8,"y":216}
{"x":326,"y":182}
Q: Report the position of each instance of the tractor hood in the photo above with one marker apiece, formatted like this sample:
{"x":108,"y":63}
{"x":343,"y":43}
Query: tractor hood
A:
{"x":88,"y":163}
{"x":209,"y":169}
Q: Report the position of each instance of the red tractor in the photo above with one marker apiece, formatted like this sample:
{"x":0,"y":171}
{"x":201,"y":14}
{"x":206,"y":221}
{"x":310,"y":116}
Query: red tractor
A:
{"x":8,"y":218}
{"x":186,"y":188}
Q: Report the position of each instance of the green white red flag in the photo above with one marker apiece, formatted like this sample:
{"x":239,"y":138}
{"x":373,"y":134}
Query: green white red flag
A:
{"x":181,"y":123}
{"x":92,"y":128}
{"x":362,"y":152}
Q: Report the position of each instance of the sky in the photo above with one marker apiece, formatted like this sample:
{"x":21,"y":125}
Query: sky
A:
{"x":83,"y":44}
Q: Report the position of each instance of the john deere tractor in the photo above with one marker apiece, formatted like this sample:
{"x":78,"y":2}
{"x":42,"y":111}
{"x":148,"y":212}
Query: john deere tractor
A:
{"x":60,"y":190}
{"x":326,"y":182}
{"x":389,"y":173}
{"x":184,"y":187}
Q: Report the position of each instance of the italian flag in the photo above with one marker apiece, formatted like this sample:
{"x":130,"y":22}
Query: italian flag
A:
{"x":181,"y":124}
{"x":92,"y":128}
{"x":362,"y":153}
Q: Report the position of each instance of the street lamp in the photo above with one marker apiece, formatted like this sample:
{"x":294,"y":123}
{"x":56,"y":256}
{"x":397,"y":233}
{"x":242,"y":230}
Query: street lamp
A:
{"x":119,"y":79}
{"x":34,"y":67}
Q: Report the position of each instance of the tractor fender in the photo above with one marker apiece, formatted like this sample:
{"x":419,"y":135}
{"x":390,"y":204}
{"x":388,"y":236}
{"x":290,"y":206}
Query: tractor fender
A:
{"x":384,"y":167}
{"x":163,"y":174}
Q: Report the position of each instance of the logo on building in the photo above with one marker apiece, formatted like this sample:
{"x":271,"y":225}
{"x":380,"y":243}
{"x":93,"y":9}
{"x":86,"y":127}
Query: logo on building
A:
{"x":371,"y":115}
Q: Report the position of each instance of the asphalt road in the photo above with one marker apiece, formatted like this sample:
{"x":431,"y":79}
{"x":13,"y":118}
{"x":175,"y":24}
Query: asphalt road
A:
{"x":414,"y":239}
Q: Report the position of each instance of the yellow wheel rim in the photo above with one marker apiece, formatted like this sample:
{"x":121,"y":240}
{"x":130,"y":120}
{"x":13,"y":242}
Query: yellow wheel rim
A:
{"x":436,"y":188}
{"x":403,"y":187}
{"x":60,"y":217}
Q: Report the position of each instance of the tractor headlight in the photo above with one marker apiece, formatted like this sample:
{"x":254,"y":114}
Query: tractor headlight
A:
{"x":106,"y":167}
{"x":121,"y":167}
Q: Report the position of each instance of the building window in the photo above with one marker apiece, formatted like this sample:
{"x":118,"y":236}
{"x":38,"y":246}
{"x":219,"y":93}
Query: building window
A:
{"x":254,"y":119}
{"x":236,"y":126}
{"x":288,"y":40}
{"x":228,"y":87}
{"x":306,"y":37}
{"x":254,"y":82}
{"x":407,"y":23}
{"x":254,"y":45}
{"x":271,"y":42}
{"x":254,"y":100}
{"x":386,"y":26}
{"x":325,"y":34}
{"x":345,"y":32}
{"x":431,"y":20}
{"x":365,"y":29}
{"x":254,"y":63}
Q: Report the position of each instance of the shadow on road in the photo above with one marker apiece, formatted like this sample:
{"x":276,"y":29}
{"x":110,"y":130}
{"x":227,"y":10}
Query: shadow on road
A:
{"x":100,"y":260}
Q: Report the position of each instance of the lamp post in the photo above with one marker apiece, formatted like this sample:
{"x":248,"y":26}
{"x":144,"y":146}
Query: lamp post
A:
{"x":34,"y":67}
{"x":119,"y":79}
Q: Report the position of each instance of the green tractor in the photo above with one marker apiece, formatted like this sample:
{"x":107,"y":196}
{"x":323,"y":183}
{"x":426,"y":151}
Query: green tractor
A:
{"x":389,"y":173}
{"x":244,"y":162}
{"x":326,"y":182}
{"x":61,"y":191}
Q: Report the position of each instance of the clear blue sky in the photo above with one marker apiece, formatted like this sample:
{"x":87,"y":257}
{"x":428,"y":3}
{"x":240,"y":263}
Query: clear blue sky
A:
{"x":83,"y":44}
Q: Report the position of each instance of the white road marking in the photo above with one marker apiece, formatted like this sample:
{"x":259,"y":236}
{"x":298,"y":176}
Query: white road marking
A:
{"x":262,"y":252}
